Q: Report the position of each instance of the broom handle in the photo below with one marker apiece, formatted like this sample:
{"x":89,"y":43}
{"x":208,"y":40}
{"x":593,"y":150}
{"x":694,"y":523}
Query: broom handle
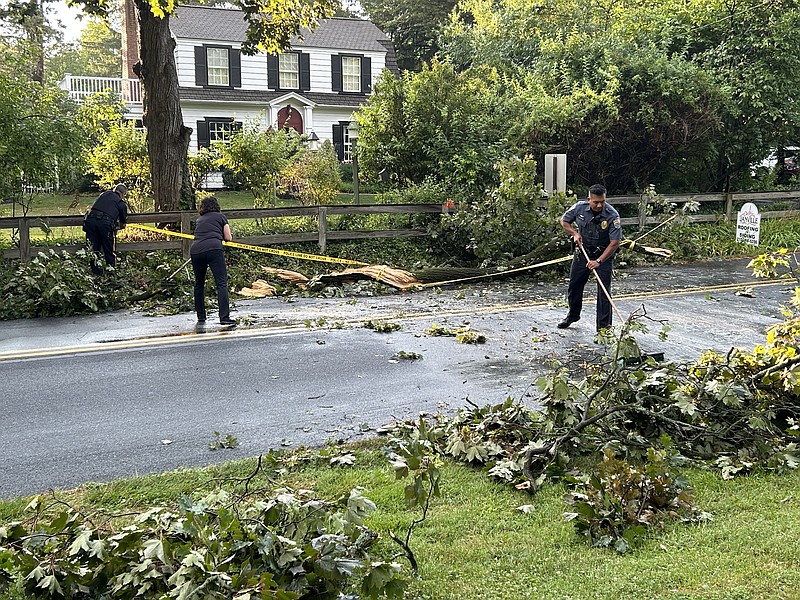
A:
{"x":602,"y":286}
{"x":175,"y":272}
{"x":656,"y":227}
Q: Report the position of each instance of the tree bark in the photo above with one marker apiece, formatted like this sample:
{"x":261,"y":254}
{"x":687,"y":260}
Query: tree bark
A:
{"x":167,"y":137}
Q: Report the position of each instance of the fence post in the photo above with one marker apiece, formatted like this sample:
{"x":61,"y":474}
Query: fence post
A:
{"x":728,"y":206}
{"x":642,"y":211}
{"x":322,"y":227}
{"x":24,"y":240}
{"x":186,"y":227}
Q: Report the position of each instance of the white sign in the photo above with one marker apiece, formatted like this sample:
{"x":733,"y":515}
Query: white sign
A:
{"x":555,"y":173}
{"x":748,"y":225}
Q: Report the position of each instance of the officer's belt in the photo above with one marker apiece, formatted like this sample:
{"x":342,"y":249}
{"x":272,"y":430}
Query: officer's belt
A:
{"x":95,"y":213}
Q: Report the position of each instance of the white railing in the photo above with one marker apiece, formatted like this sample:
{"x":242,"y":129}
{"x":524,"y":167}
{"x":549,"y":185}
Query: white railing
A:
{"x":80,"y":87}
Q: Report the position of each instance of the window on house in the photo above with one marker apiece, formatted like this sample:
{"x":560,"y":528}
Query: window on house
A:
{"x":347,"y":146}
{"x":220,"y":131}
{"x":342,"y":141}
{"x":351,"y":74}
{"x":216,"y":129}
{"x":289,"y":71}
{"x":218,"y":67}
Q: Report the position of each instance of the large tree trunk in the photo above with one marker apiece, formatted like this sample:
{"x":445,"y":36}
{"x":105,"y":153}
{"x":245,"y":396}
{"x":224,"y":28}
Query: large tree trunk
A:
{"x":167,"y":138}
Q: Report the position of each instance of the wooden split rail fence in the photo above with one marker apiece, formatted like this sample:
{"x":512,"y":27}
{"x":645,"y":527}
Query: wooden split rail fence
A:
{"x":25,"y":250}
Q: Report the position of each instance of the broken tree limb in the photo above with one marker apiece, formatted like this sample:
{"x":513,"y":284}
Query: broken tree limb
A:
{"x":547,"y":254}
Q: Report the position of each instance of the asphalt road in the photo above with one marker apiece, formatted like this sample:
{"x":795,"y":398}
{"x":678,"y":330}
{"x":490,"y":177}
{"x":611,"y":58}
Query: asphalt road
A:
{"x":97,"y":398}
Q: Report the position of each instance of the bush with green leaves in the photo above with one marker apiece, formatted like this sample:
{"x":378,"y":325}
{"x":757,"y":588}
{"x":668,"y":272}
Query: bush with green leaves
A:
{"x":121,"y":157}
{"x":285,"y":544}
{"x":313,"y":175}
{"x":619,"y":503}
{"x":508,"y":221}
{"x":443,"y":124}
{"x":55,"y":285}
{"x":257,"y":156}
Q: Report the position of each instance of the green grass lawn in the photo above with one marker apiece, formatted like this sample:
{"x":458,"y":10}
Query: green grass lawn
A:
{"x":475,"y":545}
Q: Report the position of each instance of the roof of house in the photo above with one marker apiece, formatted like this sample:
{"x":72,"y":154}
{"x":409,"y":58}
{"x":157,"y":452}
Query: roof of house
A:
{"x":262,"y":97}
{"x":224,"y":24}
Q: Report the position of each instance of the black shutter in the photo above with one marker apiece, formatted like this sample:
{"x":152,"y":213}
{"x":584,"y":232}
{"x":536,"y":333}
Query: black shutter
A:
{"x":336,"y":73}
{"x":305,"y":72}
{"x":366,"y":75}
{"x":338,"y":141}
{"x":200,"y":67}
{"x":273,"y":79}
{"x":235,"y":61}
{"x":203,"y":139}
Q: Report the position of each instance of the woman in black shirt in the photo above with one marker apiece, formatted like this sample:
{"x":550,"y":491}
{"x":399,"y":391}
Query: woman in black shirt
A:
{"x":206,"y":251}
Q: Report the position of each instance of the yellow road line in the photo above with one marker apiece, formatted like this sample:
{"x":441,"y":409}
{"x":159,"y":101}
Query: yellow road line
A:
{"x":148,"y":342}
{"x":269,"y":331}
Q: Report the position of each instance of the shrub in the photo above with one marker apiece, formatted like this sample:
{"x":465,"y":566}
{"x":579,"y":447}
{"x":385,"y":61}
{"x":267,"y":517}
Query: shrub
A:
{"x":313,"y":177}
{"x":508,"y":221}
{"x":54,"y":285}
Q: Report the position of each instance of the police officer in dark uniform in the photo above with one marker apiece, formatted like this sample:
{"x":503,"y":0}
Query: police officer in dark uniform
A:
{"x":594,"y":225}
{"x":108,"y":213}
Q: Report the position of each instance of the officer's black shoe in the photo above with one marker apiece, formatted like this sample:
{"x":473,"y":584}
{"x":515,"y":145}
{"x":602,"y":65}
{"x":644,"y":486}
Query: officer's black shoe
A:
{"x":227,"y":322}
{"x":567,"y":322}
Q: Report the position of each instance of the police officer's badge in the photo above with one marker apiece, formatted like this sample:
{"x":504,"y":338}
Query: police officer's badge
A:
{"x":604,"y":225}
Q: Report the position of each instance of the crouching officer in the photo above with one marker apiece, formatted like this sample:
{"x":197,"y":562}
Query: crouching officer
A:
{"x":594,"y":225}
{"x":108,"y":213}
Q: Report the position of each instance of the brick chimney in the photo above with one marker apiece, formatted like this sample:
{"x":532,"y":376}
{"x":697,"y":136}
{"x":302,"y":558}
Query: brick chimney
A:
{"x":130,"y":39}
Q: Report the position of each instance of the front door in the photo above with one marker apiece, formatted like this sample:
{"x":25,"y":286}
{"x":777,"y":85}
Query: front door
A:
{"x":290,"y":118}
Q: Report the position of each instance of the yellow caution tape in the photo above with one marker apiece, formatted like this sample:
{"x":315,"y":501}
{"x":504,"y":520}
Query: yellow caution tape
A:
{"x":275,"y":251}
{"x":157,"y":230}
{"x":517,"y":270}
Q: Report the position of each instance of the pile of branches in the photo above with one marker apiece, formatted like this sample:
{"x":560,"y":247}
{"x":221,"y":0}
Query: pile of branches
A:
{"x":736,"y":412}
{"x":285,"y":544}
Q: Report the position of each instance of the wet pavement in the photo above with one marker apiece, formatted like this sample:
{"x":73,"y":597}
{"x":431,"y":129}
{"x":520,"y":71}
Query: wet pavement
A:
{"x":98,"y":397}
{"x":712,"y":315}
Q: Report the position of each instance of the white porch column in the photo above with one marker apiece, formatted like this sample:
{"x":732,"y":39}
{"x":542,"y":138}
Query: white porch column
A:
{"x":308,"y":119}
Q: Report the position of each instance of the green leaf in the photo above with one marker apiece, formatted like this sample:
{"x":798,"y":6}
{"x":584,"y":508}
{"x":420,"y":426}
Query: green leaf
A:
{"x":154,"y":549}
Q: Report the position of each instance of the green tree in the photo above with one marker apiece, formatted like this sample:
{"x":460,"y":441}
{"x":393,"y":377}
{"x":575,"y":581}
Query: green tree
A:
{"x":686,"y":95}
{"x":257,"y":157}
{"x":26,"y":21}
{"x":97,"y":53}
{"x":413,"y":26}
{"x":121,"y":157}
{"x":438,"y":123}
{"x":40,"y":138}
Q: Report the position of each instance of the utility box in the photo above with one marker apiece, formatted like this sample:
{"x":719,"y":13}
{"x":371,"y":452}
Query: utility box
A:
{"x":555,"y":173}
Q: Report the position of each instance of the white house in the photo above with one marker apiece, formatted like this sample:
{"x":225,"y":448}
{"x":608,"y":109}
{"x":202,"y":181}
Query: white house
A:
{"x":314,"y":87}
